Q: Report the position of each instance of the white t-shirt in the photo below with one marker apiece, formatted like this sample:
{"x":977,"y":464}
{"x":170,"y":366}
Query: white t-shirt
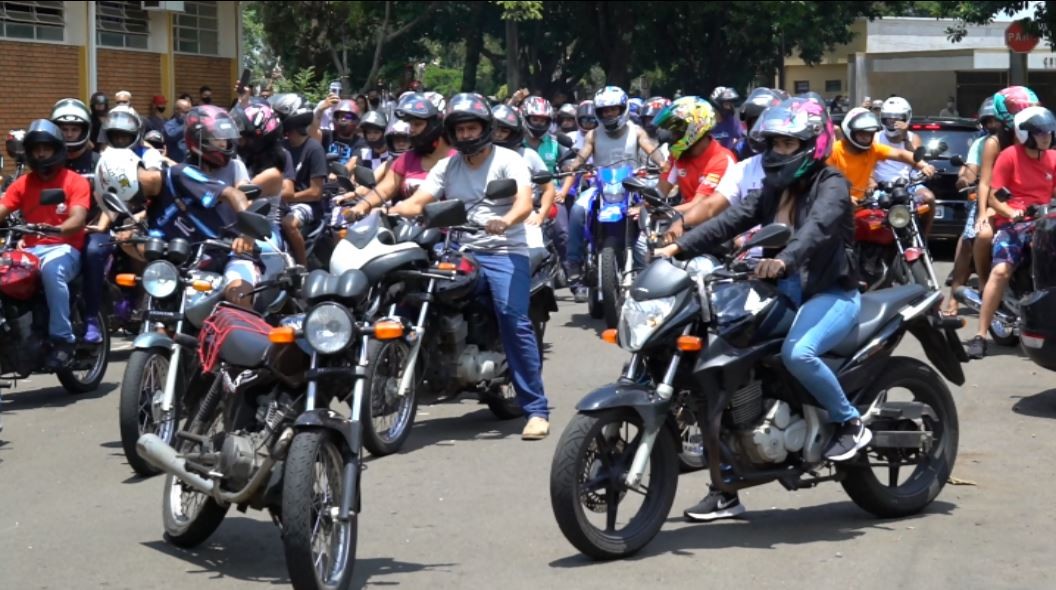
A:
{"x":453,"y":178}
{"x":234,"y":174}
{"x":741,"y":178}
{"x":888,"y":170}
{"x":535,"y":166}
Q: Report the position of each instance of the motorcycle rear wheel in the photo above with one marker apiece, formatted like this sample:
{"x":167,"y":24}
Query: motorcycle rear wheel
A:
{"x":76,"y":380}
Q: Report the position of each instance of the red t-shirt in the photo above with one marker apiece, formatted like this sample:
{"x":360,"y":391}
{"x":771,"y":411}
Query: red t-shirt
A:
{"x":699,"y":176}
{"x":24,"y":195}
{"x":1030,"y":181}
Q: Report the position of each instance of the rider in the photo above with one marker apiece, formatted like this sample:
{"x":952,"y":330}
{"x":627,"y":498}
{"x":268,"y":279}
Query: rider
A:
{"x":309,"y":160}
{"x":75,"y":122}
{"x":758,"y":101}
{"x":895,"y":116}
{"x":100,"y":105}
{"x":815,"y":268}
{"x":376,"y":152}
{"x":566,"y":120}
{"x":538,"y":116}
{"x":1028,"y":171}
{"x":268,"y":163}
{"x":615,"y":141}
{"x":586,"y":121}
{"x":1007,"y":103}
{"x":699,"y":160}
{"x":856,"y":154}
{"x":501,"y":252}
{"x":59,"y":254}
{"x":344,"y":140}
{"x":650,"y":110}
{"x":728,"y":131}
{"x":508,"y":132}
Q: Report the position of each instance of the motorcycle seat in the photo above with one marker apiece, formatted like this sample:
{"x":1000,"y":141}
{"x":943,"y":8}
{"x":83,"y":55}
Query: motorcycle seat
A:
{"x":877,"y":309}
{"x":410,"y":255}
{"x":536,"y":258}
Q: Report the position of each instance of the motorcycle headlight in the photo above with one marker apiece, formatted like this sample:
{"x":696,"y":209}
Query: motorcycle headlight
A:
{"x":612,"y":193}
{"x":328,"y":328}
{"x":898,"y":216}
{"x":640,"y":319}
{"x":160,"y":279}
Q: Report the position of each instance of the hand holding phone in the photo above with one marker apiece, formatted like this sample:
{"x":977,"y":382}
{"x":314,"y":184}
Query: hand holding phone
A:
{"x":335,"y":87}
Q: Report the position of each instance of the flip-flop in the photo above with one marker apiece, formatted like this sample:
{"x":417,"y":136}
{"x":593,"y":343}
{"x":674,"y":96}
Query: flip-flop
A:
{"x":944,"y":313}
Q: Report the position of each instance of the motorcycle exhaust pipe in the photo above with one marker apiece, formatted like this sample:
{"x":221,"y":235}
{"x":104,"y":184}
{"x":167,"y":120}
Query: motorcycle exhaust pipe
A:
{"x":164,"y":457}
{"x":974,"y":300}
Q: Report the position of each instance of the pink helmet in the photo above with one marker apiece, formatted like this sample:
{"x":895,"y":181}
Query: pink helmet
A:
{"x":1011,"y":100}
{"x":537,"y":106}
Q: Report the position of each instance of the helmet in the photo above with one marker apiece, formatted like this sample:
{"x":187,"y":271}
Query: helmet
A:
{"x":859,"y":119}
{"x":468,"y":106}
{"x":122,"y":121}
{"x":437,"y":99}
{"x":612,"y":96}
{"x":205,"y":124}
{"x":1011,"y":100}
{"x":537,"y":106}
{"x":19,"y":274}
{"x":987,"y":109}
{"x":397,"y":128}
{"x":803,"y":119}
{"x":346,"y":126}
{"x":418,"y":106}
{"x":71,"y":110}
{"x":653,"y":106}
{"x":898,"y":109}
{"x":44,"y":131}
{"x":758,"y":101}
{"x":585,"y":115}
{"x":689,"y":119}
{"x":285,"y":104}
{"x":1032,"y":121}
{"x":634,"y":109}
{"x":723,"y":94}
{"x":507,"y":118}
{"x":567,"y":110}
{"x":100,"y":98}
{"x":374,"y":120}
{"x":118,"y":173}
{"x":258,"y":124}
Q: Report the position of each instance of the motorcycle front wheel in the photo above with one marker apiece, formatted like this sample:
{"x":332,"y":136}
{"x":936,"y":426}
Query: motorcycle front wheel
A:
{"x":320,"y":548}
{"x":139,"y":409}
{"x":386,"y":416}
{"x":588,"y":489}
{"x":610,"y":285}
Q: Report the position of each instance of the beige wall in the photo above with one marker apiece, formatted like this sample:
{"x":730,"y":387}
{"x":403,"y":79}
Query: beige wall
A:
{"x":817,"y":76}
{"x":926,"y":91}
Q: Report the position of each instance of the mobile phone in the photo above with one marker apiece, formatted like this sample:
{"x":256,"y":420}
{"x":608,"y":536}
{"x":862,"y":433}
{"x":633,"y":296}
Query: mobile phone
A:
{"x":335,"y":87}
{"x":243,"y":81}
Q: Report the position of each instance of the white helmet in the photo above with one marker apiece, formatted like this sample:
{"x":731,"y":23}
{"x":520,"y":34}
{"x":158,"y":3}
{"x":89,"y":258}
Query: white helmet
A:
{"x":612,"y":96}
{"x":437,"y":99}
{"x":859,"y":119}
{"x":123,"y":119}
{"x":1033,"y":121}
{"x":896,"y":108}
{"x":118,"y":173}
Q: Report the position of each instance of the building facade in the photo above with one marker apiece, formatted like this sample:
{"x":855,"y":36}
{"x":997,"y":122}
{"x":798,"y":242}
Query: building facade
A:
{"x":54,"y":50}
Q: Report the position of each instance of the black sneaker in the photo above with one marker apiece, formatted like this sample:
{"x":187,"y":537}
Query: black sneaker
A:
{"x":715,"y":506}
{"x":60,"y":357}
{"x":976,"y":348}
{"x":851,"y":437}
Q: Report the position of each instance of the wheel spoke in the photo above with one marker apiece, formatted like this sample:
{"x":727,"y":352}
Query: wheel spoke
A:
{"x":595,"y":484}
{"x":628,"y":451}
{"x":612,"y":505}
{"x":892,"y":474}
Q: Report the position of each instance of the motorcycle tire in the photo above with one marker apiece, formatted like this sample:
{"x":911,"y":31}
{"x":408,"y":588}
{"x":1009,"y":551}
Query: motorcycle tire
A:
{"x":610,"y":285}
{"x":577,"y":459}
{"x":919,"y":274}
{"x":135,"y":407}
{"x":75,"y":380}
{"x":594,"y":307}
{"x":386,"y":359}
{"x":932,"y":471}
{"x":302,"y":519}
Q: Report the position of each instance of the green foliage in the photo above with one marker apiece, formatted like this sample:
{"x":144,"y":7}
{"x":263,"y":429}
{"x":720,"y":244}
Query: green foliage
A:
{"x":446,"y":81}
{"x":305,"y":82}
{"x":520,"y":10}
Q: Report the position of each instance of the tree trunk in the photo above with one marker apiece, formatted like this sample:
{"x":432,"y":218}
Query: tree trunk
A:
{"x":474,"y":43}
{"x":513,"y":80}
{"x":379,"y":45}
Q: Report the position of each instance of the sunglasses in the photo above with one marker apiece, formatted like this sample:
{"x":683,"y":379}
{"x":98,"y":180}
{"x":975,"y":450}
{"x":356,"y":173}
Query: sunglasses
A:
{"x":347,"y":117}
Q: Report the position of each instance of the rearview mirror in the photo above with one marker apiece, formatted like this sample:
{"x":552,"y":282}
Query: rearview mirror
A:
{"x":634,"y":184}
{"x":957,"y":160}
{"x":338,"y":169}
{"x":918,"y":154}
{"x":564,"y":140}
{"x":113,"y":203}
{"x":500,"y":190}
{"x":1002,"y":194}
{"x":774,"y":235}
{"x":253,"y":225}
{"x":365,"y":177}
{"x":259,"y":206}
{"x":445,"y":213}
{"x":333,"y":157}
{"x":543,"y":178}
{"x":52,"y":196}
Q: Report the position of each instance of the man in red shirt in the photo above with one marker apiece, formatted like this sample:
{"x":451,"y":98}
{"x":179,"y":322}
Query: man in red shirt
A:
{"x":59,"y":251}
{"x":698,"y":162}
{"x":1027,"y":170}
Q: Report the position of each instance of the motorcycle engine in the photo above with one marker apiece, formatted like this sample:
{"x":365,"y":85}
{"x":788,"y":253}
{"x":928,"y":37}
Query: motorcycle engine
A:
{"x":476,"y":366}
{"x":781,"y":432}
{"x":241,"y":456}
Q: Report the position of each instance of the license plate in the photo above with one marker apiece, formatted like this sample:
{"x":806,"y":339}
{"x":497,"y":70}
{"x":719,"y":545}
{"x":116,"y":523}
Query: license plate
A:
{"x":940,"y":212}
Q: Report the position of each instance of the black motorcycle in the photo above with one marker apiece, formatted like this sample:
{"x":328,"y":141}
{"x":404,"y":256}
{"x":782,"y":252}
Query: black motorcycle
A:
{"x":715,"y":333}
{"x":1038,"y":309}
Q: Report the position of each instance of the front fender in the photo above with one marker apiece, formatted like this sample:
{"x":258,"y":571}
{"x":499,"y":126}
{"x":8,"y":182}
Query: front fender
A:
{"x":350,"y":432}
{"x":152,"y":340}
{"x":640,"y":398}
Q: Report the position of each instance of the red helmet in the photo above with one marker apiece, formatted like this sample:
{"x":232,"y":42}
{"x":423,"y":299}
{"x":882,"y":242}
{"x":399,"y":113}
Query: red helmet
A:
{"x":211,"y":134}
{"x":19,"y":274}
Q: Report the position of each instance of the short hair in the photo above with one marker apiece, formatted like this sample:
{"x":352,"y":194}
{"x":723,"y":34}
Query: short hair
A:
{"x":204,"y":89}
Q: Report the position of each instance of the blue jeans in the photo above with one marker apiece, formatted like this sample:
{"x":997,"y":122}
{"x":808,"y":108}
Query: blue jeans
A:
{"x":559,"y":230}
{"x":577,"y":223}
{"x":96,"y":253}
{"x":821,"y":323}
{"x":508,"y":280}
{"x":59,"y":265}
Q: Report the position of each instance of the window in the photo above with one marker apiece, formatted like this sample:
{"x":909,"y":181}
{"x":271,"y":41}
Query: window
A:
{"x":833,"y":85}
{"x":121,"y":24}
{"x":197,"y":29}
{"x":32,"y":20}
{"x":802,"y":86}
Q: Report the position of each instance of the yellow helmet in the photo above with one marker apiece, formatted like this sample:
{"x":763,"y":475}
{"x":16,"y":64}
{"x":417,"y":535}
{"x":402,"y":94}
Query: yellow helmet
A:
{"x":688,"y":119}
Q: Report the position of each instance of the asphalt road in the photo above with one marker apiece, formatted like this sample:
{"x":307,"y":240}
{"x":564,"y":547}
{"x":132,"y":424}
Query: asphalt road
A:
{"x":466,"y":505}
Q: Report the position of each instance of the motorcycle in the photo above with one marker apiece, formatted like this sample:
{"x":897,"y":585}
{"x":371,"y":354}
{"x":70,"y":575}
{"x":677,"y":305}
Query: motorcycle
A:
{"x":1038,"y":334}
{"x":890,"y":247}
{"x":454,"y":344}
{"x":1005,"y":327}
{"x":262,"y":435}
{"x":24,"y":343}
{"x":715,"y":332}
{"x":182,"y":286}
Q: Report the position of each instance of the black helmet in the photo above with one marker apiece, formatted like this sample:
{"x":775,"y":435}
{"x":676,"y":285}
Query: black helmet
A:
{"x":99,"y":98}
{"x":585,"y":114}
{"x":758,"y":101}
{"x":374,"y":120}
{"x":465,"y":107}
{"x":417,"y":106}
{"x":723,"y":94}
{"x":507,"y":118}
{"x":44,"y":131}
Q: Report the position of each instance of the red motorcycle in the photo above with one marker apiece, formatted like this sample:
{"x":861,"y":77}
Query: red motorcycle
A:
{"x":24,"y":344}
{"x":889,"y":246}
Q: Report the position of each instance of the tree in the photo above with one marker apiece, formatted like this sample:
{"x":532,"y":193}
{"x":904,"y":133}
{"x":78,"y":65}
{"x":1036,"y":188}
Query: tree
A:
{"x":1042,"y":23}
